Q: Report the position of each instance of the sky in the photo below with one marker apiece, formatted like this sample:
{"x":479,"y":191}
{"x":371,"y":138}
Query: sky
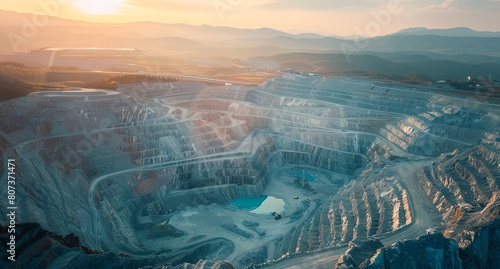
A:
{"x":328,"y":17}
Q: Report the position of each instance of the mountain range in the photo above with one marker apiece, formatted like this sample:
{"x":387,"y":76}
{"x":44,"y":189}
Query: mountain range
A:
{"x":458,"y":31}
{"x":415,"y":47}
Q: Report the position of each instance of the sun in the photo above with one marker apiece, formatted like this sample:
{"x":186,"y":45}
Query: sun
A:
{"x":98,"y":6}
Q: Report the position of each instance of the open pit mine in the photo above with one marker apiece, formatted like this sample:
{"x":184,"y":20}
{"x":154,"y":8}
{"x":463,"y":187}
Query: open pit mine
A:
{"x":287,"y":174}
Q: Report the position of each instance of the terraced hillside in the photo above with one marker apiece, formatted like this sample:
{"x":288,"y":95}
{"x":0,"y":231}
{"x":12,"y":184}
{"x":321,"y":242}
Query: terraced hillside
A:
{"x":152,"y":168}
{"x":464,"y":185}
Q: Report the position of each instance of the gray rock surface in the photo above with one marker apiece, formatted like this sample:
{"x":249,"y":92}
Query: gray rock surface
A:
{"x":480,"y":247}
{"x":428,"y":251}
{"x":477,"y":247}
{"x":359,"y":250}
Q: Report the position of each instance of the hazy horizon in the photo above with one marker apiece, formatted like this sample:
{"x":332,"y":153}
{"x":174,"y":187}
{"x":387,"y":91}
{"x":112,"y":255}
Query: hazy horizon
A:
{"x":342,"y":18}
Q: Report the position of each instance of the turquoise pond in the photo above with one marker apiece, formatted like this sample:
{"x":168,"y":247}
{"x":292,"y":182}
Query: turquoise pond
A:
{"x":249,"y":203}
{"x":309,"y":176}
{"x":263,"y":204}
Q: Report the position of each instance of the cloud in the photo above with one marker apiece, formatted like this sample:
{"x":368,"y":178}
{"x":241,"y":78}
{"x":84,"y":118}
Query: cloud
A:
{"x":447,"y":4}
{"x":323,"y":5}
{"x":460,"y":5}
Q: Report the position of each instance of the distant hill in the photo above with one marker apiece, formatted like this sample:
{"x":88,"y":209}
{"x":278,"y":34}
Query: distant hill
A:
{"x":459,"y":31}
{"x":330,"y":63}
{"x":433,"y":53}
{"x":153,"y":29}
{"x":187,"y":40}
{"x":12,"y":88}
{"x":153,"y":36}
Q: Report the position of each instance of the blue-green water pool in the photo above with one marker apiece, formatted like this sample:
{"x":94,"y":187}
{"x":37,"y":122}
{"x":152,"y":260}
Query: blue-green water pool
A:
{"x":249,"y":203}
{"x":263,"y":204}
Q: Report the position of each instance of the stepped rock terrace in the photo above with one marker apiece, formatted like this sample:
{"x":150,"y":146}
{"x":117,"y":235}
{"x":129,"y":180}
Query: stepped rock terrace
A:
{"x":150,"y":169}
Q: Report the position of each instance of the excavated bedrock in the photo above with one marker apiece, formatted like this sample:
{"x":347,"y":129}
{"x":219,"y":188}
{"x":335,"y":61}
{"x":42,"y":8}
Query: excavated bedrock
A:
{"x":152,"y":168}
